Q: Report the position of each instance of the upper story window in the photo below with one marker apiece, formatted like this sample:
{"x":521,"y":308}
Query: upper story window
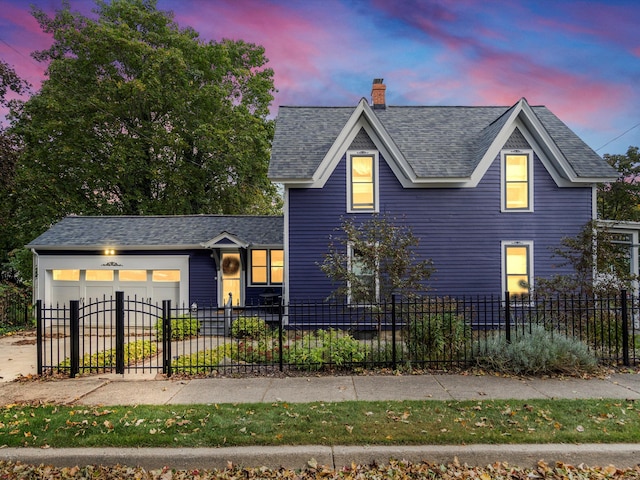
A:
{"x":267,"y":266}
{"x":362,"y":182}
{"x":517,"y":185}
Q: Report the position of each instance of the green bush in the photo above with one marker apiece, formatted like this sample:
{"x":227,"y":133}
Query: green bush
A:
{"x":203,"y":361}
{"x":133,"y":353}
{"x":536,"y":352}
{"x":323,"y":348}
{"x":431,"y":336}
{"x":382,"y":356}
{"x":249,"y":328}
{"x":183,"y":326}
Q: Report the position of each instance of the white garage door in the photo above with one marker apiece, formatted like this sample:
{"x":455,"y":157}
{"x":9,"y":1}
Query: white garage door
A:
{"x":148,"y":285}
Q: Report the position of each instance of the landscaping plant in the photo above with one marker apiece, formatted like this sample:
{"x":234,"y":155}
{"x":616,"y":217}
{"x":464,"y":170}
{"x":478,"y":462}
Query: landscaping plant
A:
{"x":535,"y":352}
{"x":183,"y":326}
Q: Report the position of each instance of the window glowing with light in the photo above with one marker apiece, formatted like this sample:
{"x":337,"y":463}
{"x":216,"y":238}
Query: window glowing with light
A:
{"x":362,"y":182}
{"x":277,"y":266}
{"x":66,"y":275}
{"x":166,"y":276}
{"x":517,"y":266}
{"x":267,"y":266}
{"x":516,"y":175}
{"x":99,"y":276}
{"x":133,"y":275}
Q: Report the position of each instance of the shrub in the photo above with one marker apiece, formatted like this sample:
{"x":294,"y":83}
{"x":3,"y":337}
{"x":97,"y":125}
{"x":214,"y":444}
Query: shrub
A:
{"x":536,"y":352}
{"x":183,"y":326}
{"x":382,"y":356}
{"x":249,"y":328}
{"x":323,"y":348}
{"x":430,"y":336}
{"x":203,"y":361}
{"x":133,"y":353}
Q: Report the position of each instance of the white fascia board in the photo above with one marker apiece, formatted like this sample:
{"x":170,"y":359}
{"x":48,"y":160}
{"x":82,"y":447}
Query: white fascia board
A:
{"x":535,"y":127}
{"x":363,"y":117}
{"x":213,"y":243}
{"x":494,"y":149}
{"x":91,"y":248}
{"x":540,"y":141}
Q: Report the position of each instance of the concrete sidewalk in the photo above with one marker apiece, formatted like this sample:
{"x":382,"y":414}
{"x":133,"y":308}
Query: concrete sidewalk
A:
{"x":135,"y":389}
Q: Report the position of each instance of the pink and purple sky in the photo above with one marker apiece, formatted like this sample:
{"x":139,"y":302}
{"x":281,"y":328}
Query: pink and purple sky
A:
{"x":579,"y":58}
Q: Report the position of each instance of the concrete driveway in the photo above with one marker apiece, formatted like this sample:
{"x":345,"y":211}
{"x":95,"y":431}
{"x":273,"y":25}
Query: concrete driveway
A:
{"x":18,"y":355}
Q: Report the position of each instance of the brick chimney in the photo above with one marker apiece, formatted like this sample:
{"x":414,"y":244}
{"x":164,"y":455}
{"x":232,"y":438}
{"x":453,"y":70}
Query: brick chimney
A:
{"x":377,"y":93}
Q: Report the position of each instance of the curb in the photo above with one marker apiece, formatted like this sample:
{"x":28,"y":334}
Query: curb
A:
{"x":336,"y":457}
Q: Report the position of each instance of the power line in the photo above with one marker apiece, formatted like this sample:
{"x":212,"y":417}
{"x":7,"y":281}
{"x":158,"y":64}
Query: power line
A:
{"x":621,"y":135}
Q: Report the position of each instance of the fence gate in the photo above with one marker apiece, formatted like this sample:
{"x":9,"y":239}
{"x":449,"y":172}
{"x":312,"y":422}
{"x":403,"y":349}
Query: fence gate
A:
{"x":114,"y":335}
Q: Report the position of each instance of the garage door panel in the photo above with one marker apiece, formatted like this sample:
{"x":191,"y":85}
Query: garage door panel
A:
{"x":65,"y":293}
{"x":166,"y":292}
{"x":138,"y":292}
{"x":96,"y":292}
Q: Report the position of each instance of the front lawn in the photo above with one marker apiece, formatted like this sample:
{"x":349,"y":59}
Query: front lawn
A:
{"x":342,"y":423}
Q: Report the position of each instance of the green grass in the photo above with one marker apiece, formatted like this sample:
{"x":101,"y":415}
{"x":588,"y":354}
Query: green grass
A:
{"x":342,"y":423}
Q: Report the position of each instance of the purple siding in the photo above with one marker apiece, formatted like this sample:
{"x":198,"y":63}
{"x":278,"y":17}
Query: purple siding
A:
{"x":460,"y":229}
{"x":203,"y":287}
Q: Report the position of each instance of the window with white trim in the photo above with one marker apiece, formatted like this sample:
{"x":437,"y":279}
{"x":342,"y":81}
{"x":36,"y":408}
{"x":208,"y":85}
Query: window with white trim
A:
{"x":362,"y":182}
{"x":364,"y":289}
{"x":517,"y":267}
{"x":267,"y":266}
{"x":517,"y":181}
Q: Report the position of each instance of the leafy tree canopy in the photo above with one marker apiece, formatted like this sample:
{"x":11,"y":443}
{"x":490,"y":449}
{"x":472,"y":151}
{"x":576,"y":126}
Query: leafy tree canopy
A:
{"x":9,"y":151}
{"x":140,"y":116}
{"x":621,"y":200}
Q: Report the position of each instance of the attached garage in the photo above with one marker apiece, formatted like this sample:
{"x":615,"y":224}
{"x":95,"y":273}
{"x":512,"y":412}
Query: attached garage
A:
{"x":186,"y":259}
{"x":152,"y":279}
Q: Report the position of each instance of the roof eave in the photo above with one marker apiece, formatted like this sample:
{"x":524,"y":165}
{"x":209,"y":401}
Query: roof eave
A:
{"x":87,"y":248}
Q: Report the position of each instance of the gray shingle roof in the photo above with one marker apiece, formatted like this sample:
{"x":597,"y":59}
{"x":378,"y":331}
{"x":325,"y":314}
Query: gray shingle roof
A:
{"x":158,"y":231}
{"x":436,"y":141}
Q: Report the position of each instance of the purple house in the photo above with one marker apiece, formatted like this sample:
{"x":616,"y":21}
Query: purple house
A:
{"x":489,"y":191}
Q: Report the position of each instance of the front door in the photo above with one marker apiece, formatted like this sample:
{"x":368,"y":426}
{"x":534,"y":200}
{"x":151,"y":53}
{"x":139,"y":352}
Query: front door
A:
{"x":232,"y":278}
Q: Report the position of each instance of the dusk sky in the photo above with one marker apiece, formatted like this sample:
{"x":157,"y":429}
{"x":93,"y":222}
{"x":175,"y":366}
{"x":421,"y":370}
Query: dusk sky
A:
{"x":579,"y":58}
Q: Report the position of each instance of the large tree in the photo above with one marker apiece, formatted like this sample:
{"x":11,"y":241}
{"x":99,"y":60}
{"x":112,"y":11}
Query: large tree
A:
{"x":10,"y":82}
{"x":620,"y":200}
{"x":140,"y":116}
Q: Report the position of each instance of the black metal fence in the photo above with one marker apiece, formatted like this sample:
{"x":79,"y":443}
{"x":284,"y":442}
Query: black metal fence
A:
{"x":15,"y":310}
{"x":123,"y":334}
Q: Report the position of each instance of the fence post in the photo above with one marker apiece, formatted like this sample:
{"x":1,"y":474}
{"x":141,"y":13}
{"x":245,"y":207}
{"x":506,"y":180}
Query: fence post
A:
{"x":507,"y":316}
{"x":74,"y":326}
{"x":39,"y":336}
{"x":228,"y":313}
{"x":393,"y":332}
{"x":166,"y":337}
{"x":625,"y":329}
{"x":280,"y":339}
{"x":119,"y":332}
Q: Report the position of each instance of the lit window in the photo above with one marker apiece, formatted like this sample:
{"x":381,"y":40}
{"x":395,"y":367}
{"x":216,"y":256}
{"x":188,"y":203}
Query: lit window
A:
{"x":133,"y":275}
{"x":166,"y":276}
{"x":277,"y":266}
{"x":99,"y":276}
{"x":267,"y":266}
{"x":517,"y":185}
{"x":362,"y":177}
{"x":363,"y":288}
{"x":517,"y":268}
{"x":66,"y":275}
